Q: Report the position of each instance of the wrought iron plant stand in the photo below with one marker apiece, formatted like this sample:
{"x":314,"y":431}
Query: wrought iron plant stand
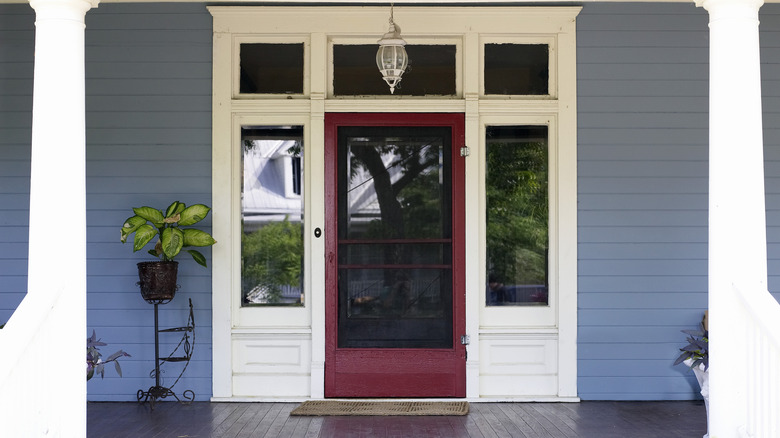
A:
{"x":187,"y":343}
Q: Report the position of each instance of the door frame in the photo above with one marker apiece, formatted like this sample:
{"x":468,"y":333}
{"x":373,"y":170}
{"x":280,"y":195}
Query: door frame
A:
{"x":423,"y":386}
{"x":288,"y":344}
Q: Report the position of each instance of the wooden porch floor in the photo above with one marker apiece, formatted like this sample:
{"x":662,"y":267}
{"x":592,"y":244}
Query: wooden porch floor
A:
{"x":530,"y":420}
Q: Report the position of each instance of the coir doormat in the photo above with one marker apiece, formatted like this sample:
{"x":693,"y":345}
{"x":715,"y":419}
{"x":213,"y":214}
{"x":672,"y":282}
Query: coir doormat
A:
{"x":319,"y":408}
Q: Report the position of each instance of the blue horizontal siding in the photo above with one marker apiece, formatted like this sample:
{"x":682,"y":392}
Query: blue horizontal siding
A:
{"x":643,"y":251}
{"x":648,"y":318}
{"x":651,"y":104}
{"x":770,"y":73}
{"x":173,"y":135}
{"x":16,"y":69}
{"x":648,"y":136}
{"x":650,"y":351}
{"x":670,"y":387}
{"x":647,"y":285}
{"x":148,"y":95}
{"x":644,"y":217}
{"x":643,"y":169}
{"x":596,"y":233}
{"x":148,"y":119}
{"x":647,"y":201}
{"x":642,"y":196}
{"x":644,"y":185}
{"x":161,"y":104}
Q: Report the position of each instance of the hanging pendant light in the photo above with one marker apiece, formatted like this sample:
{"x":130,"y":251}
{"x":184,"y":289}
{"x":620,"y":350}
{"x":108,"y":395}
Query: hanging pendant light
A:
{"x":391,"y":58}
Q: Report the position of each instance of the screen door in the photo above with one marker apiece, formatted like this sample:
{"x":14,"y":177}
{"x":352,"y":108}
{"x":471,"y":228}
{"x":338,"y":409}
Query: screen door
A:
{"x":394,"y":279}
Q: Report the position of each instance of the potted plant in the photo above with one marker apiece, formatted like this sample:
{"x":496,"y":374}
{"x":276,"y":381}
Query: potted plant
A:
{"x":696,"y":356}
{"x":696,"y":353}
{"x":158,"y":278}
{"x":95,"y":363}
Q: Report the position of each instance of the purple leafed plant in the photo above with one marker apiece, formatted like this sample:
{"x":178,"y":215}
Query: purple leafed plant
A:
{"x":95,"y":363}
{"x":697,"y":349}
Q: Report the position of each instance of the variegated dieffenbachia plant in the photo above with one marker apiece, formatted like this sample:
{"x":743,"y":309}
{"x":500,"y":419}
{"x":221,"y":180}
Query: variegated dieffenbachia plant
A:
{"x":149,"y":223}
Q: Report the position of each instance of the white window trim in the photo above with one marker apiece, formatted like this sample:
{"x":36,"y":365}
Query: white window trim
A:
{"x":265,"y":317}
{"x":318,"y":28}
{"x":497,"y":317}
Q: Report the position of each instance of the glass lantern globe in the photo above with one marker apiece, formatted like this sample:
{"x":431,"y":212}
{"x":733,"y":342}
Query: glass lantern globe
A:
{"x":391,"y":58}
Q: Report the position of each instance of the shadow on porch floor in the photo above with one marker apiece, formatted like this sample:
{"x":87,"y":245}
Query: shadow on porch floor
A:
{"x":590,"y":419}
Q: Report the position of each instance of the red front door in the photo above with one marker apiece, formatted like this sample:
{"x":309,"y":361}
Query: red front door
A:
{"x":394,"y":265}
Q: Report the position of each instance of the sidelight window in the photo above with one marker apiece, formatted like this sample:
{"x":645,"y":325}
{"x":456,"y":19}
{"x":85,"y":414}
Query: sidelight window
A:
{"x":517,"y":211}
{"x":272,"y":216}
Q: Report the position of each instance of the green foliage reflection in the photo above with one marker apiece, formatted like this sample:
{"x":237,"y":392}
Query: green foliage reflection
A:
{"x":271,"y":258}
{"x":517,"y":211}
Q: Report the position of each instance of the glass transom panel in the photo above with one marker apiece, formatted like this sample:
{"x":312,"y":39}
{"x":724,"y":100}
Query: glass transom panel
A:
{"x":271,"y":68}
{"x":431,"y":71}
{"x":517,"y":69}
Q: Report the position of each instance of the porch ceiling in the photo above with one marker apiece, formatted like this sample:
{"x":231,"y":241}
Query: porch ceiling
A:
{"x":396,"y":2}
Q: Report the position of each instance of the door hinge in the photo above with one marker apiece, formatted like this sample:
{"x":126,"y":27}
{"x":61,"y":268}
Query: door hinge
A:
{"x":465,"y":151}
{"x":464,"y":339}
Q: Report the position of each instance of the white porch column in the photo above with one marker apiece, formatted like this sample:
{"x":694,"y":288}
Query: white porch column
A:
{"x":57,"y":245}
{"x":737,"y":223}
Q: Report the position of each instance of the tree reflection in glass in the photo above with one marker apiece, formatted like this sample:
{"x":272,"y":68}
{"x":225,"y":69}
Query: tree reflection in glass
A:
{"x":395,"y":229}
{"x":517,"y":202}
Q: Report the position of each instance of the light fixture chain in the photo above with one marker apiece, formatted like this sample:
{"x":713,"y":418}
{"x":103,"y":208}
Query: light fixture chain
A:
{"x":391,"y":58}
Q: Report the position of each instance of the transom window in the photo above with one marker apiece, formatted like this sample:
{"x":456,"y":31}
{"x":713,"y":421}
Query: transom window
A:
{"x":517,"y":69}
{"x":270,"y":68}
{"x":431,"y":71}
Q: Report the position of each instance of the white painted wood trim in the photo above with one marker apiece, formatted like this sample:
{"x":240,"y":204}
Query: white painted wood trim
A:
{"x":468,"y":28}
{"x":567,"y":211}
{"x":222,"y":217}
{"x":471,"y":87}
{"x":371,"y":22}
{"x":316,"y":212}
{"x":260,"y":317}
{"x":734,"y":204}
{"x":513,"y":318}
{"x":41,"y":398}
